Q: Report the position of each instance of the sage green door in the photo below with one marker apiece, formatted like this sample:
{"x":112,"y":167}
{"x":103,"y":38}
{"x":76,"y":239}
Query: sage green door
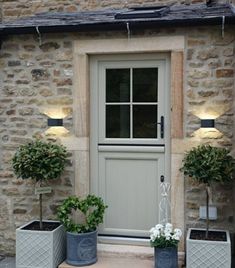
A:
{"x":129,"y":125}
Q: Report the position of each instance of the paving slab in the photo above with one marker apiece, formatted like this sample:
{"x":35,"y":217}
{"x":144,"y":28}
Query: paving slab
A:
{"x":8,"y":262}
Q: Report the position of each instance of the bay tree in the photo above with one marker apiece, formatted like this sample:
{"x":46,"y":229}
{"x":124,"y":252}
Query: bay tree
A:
{"x":207,"y":164}
{"x":39,"y":161}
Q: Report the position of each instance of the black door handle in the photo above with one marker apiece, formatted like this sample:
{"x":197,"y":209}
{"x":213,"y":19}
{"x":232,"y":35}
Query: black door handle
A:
{"x":161,"y":127}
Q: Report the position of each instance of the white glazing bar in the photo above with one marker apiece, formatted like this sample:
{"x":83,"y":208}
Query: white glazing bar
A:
{"x":135,"y":103}
{"x":117,"y":103}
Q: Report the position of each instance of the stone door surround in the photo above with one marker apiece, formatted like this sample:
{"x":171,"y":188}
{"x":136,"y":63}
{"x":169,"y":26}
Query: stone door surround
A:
{"x":174,"y":45}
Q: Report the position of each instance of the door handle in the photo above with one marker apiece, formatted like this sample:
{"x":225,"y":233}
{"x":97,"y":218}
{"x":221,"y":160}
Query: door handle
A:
{"x":161,"y":123}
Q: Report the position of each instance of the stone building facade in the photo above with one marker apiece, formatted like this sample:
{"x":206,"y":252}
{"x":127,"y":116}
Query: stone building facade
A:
{"x":37,"y":78}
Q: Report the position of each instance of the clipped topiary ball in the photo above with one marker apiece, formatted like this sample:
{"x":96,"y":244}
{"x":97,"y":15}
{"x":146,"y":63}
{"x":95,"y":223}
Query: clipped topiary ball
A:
{"x":39,"y":160}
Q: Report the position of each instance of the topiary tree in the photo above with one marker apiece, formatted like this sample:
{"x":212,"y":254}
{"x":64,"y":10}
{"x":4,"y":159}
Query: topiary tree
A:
{"x":92,"y":207}
{"x":39,"y":161}
{"x":207,"y":164}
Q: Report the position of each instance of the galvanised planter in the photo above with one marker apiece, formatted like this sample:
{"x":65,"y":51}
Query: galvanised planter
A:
{"x":207,"y":254}
{"x":40,"y":249}
{"x":166,"y":257}
{"x":81,"y":248}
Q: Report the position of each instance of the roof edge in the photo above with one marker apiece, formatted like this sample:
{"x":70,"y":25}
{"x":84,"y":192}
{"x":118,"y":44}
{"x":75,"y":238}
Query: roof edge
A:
{"x":117,"y":26}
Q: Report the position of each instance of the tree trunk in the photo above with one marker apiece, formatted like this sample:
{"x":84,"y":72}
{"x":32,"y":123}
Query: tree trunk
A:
{"x":207,"y":211}
{"x":40,"y":204}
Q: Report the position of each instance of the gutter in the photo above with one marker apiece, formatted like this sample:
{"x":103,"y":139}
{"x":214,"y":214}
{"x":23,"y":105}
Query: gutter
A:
{"x":119,"y":25}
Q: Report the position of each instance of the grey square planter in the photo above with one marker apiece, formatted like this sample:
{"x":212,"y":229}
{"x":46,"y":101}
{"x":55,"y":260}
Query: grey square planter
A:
{"x":208,"y":254}
{"x":40,"y":249}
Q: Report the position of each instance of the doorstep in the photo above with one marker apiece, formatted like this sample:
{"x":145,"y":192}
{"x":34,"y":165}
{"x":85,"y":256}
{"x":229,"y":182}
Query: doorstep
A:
{"x":107,"y":262}
{"x":126,"y":256}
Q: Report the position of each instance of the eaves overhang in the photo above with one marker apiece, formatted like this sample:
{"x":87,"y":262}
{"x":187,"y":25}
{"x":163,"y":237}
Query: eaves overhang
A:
{"x":178,"y":16}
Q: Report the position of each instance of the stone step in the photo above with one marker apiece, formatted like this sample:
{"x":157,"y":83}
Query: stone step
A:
{"x":114,"y":262}
{"x":127,"y":251}
{"x":124,"y":256}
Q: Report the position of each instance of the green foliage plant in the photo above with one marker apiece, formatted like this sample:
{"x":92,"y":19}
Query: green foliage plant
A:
{"x":92,"y":207}
{"x":207,"y":164}
{"x":39,"y":161}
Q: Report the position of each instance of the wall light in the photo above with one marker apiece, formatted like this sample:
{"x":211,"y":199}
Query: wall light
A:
{"x":55,"y":122}
{"x":56,"y":127}
{"x":207,"y":123}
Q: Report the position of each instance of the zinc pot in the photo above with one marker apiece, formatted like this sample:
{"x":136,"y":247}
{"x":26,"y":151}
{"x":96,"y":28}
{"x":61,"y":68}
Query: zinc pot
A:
{"x":40,"y":249}
{"x":206,"y":253}
{"x":166,"y":257}
{"x":81,"y":248}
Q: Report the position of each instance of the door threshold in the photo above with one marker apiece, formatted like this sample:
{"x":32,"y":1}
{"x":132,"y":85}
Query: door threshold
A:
{"x":127,"y":251}
{"x":119,"y":240}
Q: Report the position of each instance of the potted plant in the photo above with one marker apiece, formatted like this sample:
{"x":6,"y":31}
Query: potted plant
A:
{"x":206,"y":164}
{"x":39,"y":244}
{"x":165,"y":242}
{"x":82,"y":236}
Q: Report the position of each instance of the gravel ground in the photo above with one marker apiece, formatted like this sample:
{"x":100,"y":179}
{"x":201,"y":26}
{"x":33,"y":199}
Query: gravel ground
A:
{"x":7,"y":262}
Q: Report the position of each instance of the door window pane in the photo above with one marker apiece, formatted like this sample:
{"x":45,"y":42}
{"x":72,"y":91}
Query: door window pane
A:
{"x":145,"y":121}
{"x":145,"y":84}
{"x":117,"y":121}
{"x":117,"y":85}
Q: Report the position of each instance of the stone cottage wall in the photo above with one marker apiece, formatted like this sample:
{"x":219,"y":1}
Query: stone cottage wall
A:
{"x":209,"y":93}
{"x":34,"y":80}
{"x":12,"y":9}
{"x":38,"y":79}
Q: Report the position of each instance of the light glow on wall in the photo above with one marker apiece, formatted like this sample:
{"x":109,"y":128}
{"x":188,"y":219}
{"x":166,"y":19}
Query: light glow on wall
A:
{"x":55,"y":113}
{"x":56,"y":131}
{"x":208,"y":133}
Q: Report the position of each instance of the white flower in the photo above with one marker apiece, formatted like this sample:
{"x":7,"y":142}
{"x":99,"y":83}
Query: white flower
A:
{"x":178,"y":232}
{"x":152,"y":238}
{"x":169,"y":227}
{"x":176,"y":237}
{"x":167,"y":232}
{"x":159,"y":226}
{"x":156,"y":233}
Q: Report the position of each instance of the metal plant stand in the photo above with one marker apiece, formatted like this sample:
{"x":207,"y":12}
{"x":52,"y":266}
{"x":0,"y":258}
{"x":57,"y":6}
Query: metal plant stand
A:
{"x":164,"y":205}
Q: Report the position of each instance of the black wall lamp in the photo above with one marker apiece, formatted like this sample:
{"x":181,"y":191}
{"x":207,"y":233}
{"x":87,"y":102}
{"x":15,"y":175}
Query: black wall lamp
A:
{"x":55,"y":122}
{"x":207,"y":123}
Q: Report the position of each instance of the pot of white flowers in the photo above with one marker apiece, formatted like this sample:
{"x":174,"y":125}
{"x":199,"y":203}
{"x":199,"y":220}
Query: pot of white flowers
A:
{"x":165,"y":241}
